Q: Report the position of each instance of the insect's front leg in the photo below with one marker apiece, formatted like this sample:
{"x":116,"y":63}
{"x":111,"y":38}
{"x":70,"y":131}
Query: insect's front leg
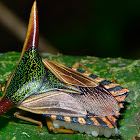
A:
{"x":2,"y":85}
{"x":52,"y":128}
{"x":19,"y":114}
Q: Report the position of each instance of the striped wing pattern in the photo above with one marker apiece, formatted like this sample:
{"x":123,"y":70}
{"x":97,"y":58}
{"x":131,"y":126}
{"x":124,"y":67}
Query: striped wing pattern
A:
{"x":53,"y":102}
{"x":109,"y":121}
{"x":68,"y":76}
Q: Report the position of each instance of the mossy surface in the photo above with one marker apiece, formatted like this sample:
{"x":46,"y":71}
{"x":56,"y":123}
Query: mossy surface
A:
{"x":125,"y":72}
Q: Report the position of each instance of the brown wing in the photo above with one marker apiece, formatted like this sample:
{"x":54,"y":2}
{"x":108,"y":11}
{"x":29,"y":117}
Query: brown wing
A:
{"x":69,"y":76}
{"x":97,"y":101}
{"x":54,"y":102}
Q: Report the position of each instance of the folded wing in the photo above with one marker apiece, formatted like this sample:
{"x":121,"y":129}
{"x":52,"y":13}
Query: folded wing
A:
{"x":69,"y":76}
{"x":53,"y":102}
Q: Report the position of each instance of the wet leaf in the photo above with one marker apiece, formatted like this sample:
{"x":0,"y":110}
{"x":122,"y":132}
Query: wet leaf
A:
{"x":124,"y":72}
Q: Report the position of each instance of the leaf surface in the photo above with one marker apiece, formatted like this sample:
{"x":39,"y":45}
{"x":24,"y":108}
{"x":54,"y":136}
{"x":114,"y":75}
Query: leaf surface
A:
{"x":125,"y":72}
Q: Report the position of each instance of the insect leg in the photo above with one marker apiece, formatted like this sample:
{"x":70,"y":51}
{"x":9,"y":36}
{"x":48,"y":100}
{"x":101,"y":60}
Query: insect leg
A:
{"x":76,"y":65}
{"x":19,"y":114}
{"x":2,"y":85}
{"x":52,"y":128}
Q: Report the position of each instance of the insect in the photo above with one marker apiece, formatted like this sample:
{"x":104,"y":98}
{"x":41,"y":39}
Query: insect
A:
{"x":68,"y":97}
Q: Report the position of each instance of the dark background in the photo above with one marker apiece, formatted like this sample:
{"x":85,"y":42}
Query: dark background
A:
{"x":81,"y":27}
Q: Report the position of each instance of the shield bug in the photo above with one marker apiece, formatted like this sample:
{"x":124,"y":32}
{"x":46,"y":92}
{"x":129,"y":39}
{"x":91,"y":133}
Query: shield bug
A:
{"x":68,"y":97}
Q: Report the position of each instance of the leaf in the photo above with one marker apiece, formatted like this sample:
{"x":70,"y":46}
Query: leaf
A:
{"x":125,"y":72}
